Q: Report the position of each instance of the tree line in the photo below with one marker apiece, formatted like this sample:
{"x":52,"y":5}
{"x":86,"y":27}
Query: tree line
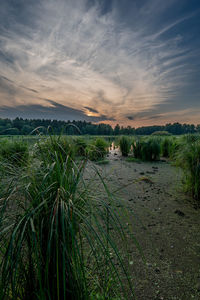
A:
{"x":19,"y":126}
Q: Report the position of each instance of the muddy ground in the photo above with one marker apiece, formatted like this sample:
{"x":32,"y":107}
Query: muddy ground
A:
{"x":165,"y":223}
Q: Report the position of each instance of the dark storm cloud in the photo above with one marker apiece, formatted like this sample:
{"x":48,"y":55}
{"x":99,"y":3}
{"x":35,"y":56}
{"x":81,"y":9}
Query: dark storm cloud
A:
{"x":55,"y":111}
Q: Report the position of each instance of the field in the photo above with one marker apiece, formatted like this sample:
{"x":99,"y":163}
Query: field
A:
{"x":130,"y":222}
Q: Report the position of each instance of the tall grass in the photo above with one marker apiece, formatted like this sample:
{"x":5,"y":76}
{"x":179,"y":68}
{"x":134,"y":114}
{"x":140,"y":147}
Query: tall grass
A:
{"x":49,"y":147}
{"x":97,"y":150}
{"x":124,"y":145}
{"x":55,"y":236}
{"x":80,"y":146}
{"x":166,"y":146}
{"x":15,"y":153}
{"x":137,"y":149}
{"x":188,"y":158}
{"x":147,"y":150}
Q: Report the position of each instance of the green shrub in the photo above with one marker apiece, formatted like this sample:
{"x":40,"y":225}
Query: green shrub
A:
{"x":124,"y":144}
{"x":14,"y":152}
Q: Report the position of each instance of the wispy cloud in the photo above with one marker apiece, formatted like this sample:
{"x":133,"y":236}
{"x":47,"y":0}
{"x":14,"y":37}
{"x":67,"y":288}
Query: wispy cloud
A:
{"x":95,"y":60}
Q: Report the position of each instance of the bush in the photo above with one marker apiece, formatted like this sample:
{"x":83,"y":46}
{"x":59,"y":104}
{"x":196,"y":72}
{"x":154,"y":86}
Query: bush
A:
{"x":124,"y":145}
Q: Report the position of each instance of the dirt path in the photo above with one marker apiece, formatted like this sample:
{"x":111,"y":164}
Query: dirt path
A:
{"x":165,"y":224}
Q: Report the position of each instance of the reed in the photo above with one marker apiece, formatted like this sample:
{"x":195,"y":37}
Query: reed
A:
{"x":55,"y":233}
{"x":188,"y":158}
{"x":97,"y":150}
{"x":14,"y":152}
{"x":124,"y":144}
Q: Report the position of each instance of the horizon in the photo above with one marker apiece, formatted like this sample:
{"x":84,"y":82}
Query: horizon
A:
{"x":104,"y":123}
{"x":133,"y":64}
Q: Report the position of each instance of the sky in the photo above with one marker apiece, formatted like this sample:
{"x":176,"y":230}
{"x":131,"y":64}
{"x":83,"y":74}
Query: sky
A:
{"x":132,"y":62}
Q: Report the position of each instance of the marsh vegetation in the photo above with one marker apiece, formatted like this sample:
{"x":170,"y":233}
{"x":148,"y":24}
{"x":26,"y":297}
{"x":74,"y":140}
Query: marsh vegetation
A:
{"x":76,"y":215}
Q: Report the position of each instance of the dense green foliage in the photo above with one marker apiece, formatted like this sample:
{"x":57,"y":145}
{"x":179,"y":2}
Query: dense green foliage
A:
{"x":21,"y":126}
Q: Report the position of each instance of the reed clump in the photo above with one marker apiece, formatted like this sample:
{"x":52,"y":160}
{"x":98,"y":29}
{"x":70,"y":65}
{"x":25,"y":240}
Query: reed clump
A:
{"x":54,"y":232}
{"x":124,"y":144}
{"x":189,"y":160}
{"x":97,"y":150}
{"x":147,"y":150}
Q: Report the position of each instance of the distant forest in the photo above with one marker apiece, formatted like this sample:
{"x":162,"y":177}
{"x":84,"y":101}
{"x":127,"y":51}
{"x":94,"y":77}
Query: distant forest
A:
{"x":21,"y":126}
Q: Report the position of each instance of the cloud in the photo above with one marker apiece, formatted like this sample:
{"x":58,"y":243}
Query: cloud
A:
{"x":28,"y":89}
{"x":131,"y":118}
{"x":116,"y":60}
{"x":6,"y":86}
{"x":91,"y":109}
{"x":53,"y":111}
{"x":5,"y":78}
{"x":145,"y":115}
